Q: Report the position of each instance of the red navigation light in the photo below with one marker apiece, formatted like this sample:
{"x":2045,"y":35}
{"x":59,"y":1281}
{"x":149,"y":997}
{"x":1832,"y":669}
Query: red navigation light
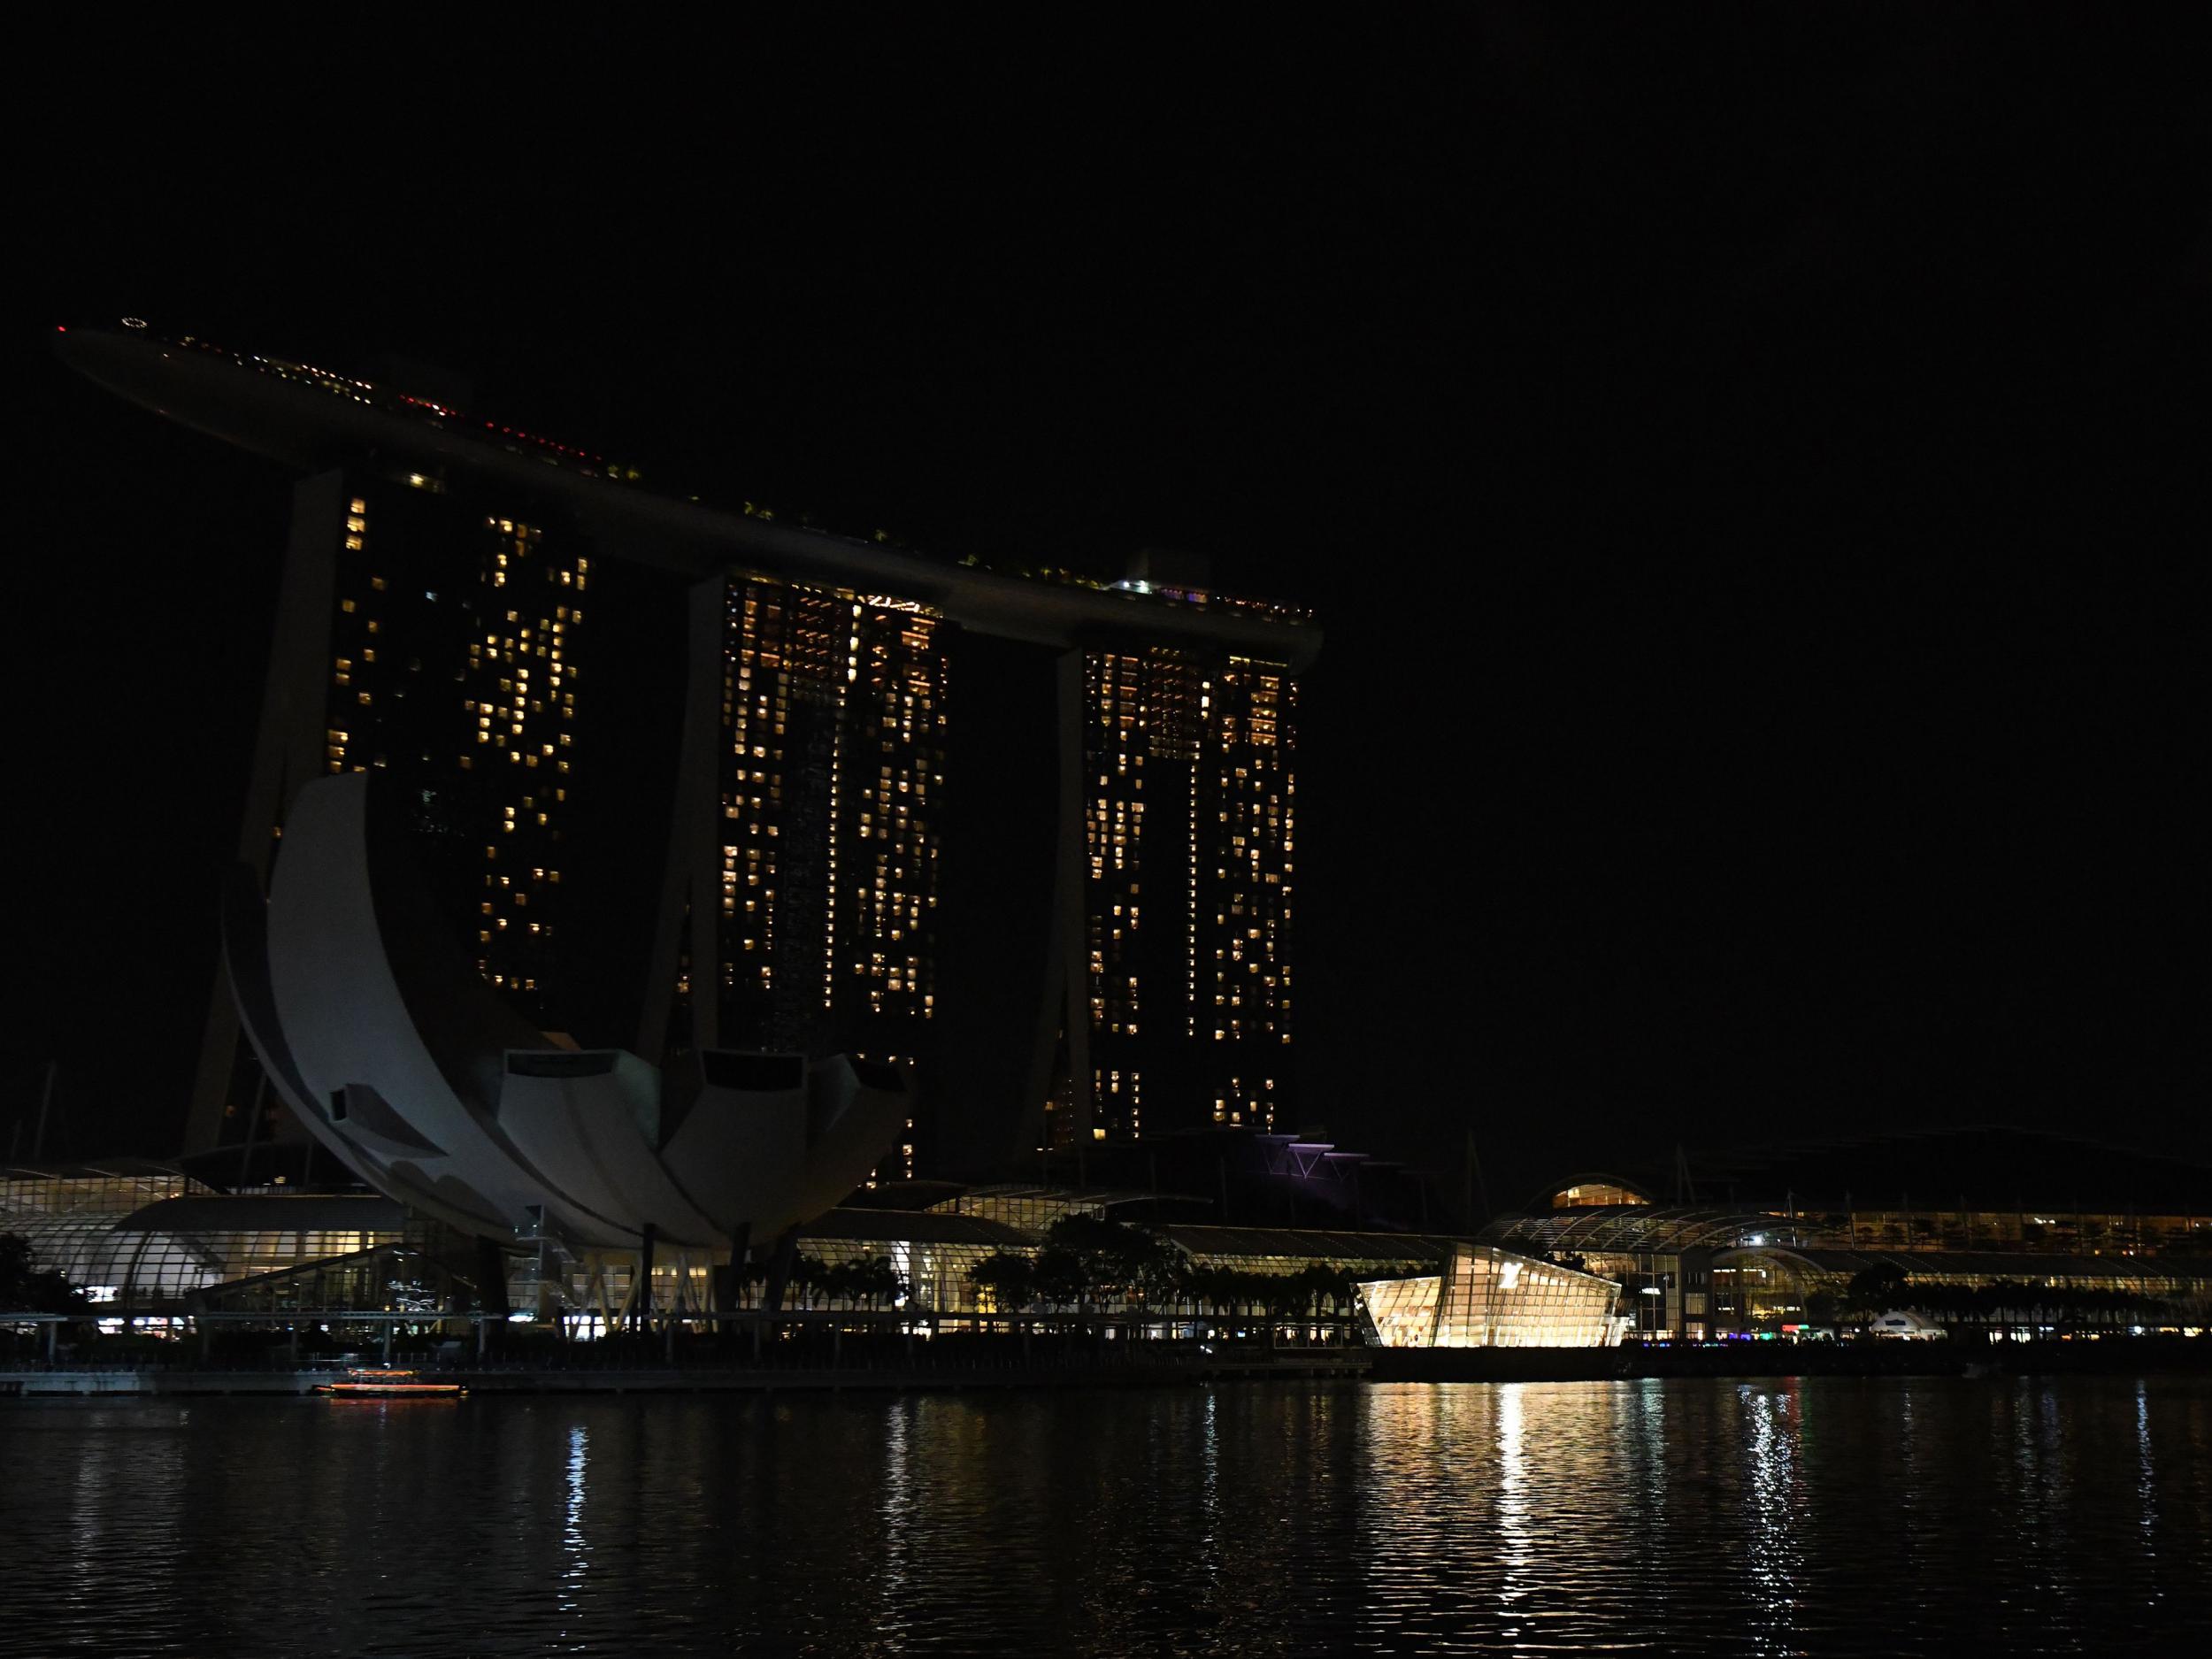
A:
{"x":61,"y":328}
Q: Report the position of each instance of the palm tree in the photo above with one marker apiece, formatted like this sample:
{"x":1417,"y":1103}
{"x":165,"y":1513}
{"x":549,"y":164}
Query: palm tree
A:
{"x":809,"y":1274}
{"x":874,"y":1279}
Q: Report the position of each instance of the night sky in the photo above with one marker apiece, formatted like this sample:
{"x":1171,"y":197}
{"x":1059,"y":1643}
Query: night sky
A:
{"x":1750,"y":472}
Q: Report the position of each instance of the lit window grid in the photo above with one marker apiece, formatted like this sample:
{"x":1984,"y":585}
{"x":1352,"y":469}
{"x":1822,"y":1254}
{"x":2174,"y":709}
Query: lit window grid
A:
{"x":88,"y":1189}
{"x":778,"y":700}
{"x":1243,"y":913}
{"x":1142,"y":711}
{"x":1117,"y":1100}
{"x":1228,"y":740}
{"x":895,"y":723}
{"x":520,"y":687}
{"x":1134,"y":712}
{"x":515,"y":714}
{"x":1027,"y":1210}
{"x":824,"y":680}
{"x":1239,"y":1101}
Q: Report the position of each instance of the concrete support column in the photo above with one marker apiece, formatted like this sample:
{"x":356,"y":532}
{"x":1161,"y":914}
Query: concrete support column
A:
{"x":288,"y":753}
{"x":691,"y":888}
{"x":741,"y":1251}
{"x":779,"y":1273}
{"x":491,"y":1279}
{"x":641,"y":1299}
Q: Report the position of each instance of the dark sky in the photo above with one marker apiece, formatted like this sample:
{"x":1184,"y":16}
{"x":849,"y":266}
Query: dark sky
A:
{"x":1744,"y":467}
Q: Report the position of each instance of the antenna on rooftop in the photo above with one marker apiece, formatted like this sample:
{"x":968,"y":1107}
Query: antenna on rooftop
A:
{"x":1472,"y":1183}
{"x":45,"y":1102}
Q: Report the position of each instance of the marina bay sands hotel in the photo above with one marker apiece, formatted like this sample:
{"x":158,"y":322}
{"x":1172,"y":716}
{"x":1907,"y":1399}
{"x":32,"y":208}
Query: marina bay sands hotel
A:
{"x":684,"y":777}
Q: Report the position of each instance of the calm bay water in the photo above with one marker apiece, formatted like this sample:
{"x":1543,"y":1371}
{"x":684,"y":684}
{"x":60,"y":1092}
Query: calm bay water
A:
{"x":1834,"y":1516}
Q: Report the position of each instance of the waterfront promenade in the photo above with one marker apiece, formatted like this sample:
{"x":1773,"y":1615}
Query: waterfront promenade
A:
{"x":965,"y":1362}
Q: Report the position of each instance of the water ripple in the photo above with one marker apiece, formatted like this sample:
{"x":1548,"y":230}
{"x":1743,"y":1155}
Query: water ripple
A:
{"x":1879,"y":1517}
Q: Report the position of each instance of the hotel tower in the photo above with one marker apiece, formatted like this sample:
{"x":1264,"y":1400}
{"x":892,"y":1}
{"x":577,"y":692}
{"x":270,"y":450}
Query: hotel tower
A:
{"x":685,"y":776}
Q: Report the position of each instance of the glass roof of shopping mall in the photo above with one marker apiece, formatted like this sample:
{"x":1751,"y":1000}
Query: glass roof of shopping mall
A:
{"x":1632,"y":1229}
{"x":1984,"y":1167}
{"x":916,"y":1226}
{"x":1309,"y":1244}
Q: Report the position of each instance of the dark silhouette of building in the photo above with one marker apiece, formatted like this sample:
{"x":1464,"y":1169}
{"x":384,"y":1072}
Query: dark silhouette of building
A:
{"x":686,"y":776}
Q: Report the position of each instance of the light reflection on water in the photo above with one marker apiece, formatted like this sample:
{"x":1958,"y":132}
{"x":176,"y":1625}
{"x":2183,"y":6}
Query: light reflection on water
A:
{"x":1754,"y":1518}
{"x":576,"y":1568}
{"x":1775,"y":1561}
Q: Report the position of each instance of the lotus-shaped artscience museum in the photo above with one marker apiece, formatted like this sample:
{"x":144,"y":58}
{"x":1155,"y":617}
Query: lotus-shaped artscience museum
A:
{"x":398,"y":1058}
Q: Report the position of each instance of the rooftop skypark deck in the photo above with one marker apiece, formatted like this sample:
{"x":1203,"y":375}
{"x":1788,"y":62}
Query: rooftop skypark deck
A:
{"x":310,"y":417}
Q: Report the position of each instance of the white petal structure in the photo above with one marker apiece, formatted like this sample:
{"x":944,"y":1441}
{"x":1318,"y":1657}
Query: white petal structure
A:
{"x":401,"y":1061}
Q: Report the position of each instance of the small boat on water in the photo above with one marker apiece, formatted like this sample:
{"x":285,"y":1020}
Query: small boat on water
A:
{"x":368,"y":1383}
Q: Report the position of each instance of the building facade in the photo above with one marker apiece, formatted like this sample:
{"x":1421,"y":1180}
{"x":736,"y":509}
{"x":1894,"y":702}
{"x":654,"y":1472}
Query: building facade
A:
{"x":472,"y":610}
{"x":1188,"y":856}
{"x":1751,"y":1241}
{"x":801,"y":908}
{"x":427,"y":634}
{"x":1485,"y":1297}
